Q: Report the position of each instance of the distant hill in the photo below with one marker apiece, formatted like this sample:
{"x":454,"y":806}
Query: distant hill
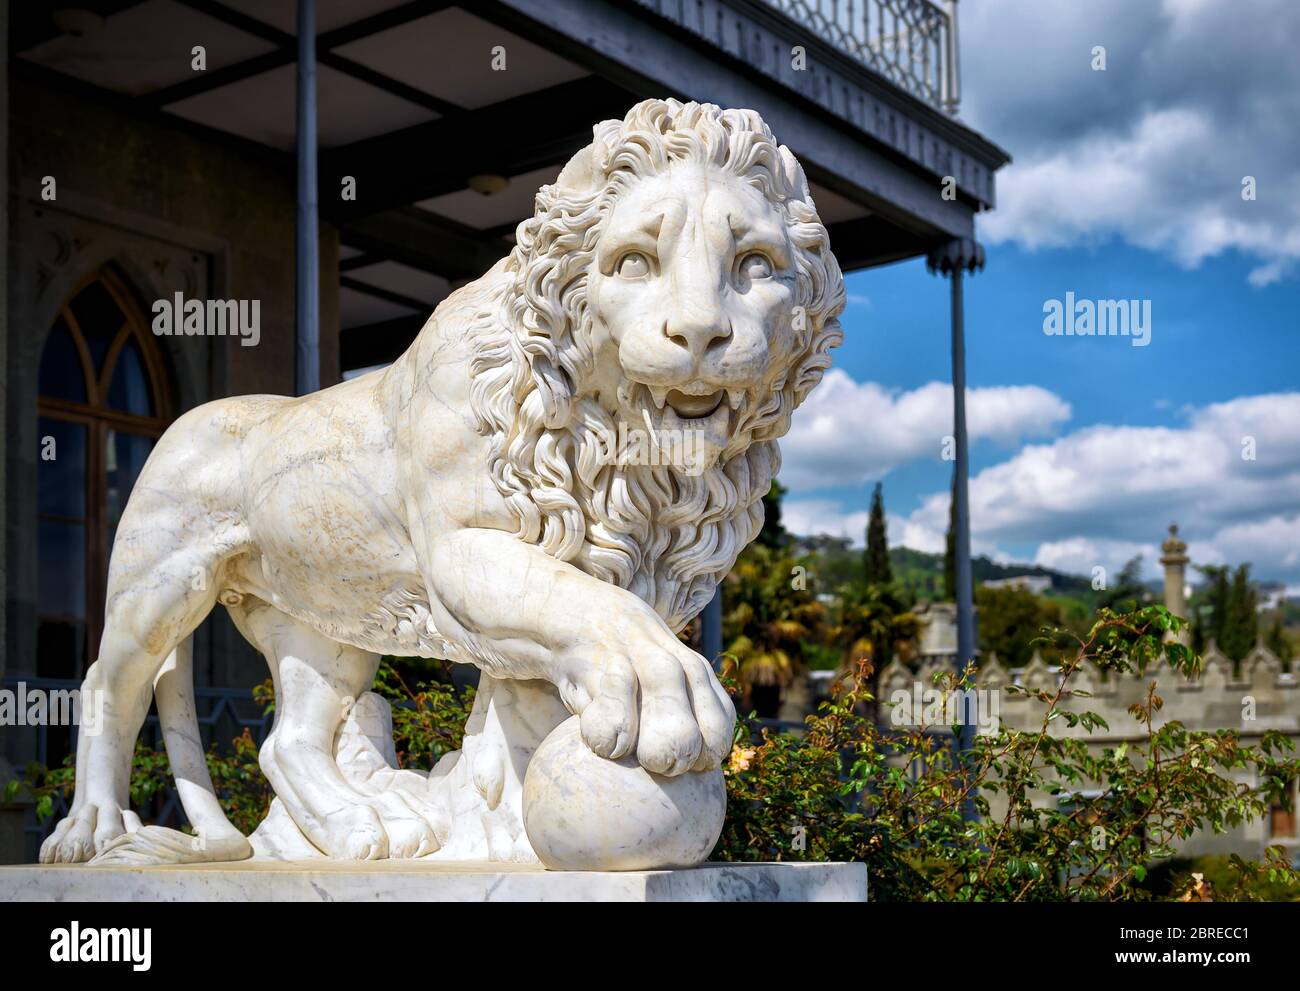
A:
{"x":836,"y":563}
{"x":923,"y":573}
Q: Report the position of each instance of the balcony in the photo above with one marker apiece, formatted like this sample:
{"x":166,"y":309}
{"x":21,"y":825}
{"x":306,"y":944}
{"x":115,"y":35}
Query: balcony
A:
{"x":912,"y":43}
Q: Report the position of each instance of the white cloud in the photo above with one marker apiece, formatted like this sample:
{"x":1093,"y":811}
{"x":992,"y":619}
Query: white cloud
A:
{"x":1229,"y":475}
{"x":1104,"y":493}
{"x":850,"y":432}
{"x":1195,"y":97}
{"x":1079,"y":555}
{"x":918,"y":536}
{"x":813,"y":517}
{"x":1271,"y":544}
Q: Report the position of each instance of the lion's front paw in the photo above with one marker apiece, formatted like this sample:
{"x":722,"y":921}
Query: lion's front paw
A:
{"x":655,"y":696}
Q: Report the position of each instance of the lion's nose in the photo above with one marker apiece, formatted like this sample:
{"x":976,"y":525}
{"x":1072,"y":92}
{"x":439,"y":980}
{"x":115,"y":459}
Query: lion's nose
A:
{"x":696,"y":334}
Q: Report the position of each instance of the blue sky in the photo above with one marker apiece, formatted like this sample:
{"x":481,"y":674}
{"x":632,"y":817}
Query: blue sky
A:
{"x":1126,"y":185}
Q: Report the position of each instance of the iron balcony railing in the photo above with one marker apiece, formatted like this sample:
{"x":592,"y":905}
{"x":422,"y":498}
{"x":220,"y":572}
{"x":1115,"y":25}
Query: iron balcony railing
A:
{"x":912,"y":43}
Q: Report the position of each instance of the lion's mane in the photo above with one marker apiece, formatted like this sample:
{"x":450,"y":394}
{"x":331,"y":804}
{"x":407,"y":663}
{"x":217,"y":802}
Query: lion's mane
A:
{"x":664,"y":535}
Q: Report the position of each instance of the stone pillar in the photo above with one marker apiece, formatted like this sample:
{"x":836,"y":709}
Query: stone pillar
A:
{"x":13,"y":816}
{"x":307,"y":276}
{"x":1175,"y":562}
{"x":952,"y":259}
{"x":6,"y":772}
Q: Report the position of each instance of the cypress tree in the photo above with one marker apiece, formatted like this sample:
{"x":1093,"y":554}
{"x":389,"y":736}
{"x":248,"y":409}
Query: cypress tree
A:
{"x":1216,"y":602}
{"x":773,"y":535}
{"x":1240,"y":621}
{"x":1276,"y":640}
{"x":876,"y":556}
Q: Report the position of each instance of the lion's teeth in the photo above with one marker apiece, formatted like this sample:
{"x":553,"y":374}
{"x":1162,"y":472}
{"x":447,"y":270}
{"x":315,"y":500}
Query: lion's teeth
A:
{"x":660,"y":394}
{"x":734,"y":397}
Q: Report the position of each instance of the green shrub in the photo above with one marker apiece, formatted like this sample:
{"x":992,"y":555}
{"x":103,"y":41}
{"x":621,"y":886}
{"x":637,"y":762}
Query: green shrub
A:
{"x":1078,"y":821}
{"x":428,"y":721}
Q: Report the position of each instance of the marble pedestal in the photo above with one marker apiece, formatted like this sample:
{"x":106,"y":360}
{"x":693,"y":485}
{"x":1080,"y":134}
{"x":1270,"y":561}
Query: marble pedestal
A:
{"x":395,"y":880}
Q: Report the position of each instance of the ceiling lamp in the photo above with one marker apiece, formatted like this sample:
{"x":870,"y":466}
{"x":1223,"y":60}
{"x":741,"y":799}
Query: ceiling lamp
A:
{"x":487,"y":185}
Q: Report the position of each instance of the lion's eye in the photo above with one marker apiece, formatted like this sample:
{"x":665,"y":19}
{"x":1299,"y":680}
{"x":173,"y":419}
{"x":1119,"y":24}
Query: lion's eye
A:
{"x":755,"y":266}
{"x":633,"y":265}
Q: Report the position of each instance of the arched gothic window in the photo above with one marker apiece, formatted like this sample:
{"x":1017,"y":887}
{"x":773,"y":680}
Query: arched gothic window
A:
{"x":102,"y":403}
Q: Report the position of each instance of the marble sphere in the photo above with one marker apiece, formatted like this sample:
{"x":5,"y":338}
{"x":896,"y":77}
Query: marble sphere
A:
{"x":585,"y":812}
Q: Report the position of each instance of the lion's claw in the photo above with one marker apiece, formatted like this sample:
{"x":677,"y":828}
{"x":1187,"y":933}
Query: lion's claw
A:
{"x":660,"y":699}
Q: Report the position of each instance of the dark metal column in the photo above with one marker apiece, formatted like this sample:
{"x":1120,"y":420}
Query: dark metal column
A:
{"x":307,"y":351}
{"x":711,"y":629}
{"x":7,"y":642}
{"x":954,"y":258}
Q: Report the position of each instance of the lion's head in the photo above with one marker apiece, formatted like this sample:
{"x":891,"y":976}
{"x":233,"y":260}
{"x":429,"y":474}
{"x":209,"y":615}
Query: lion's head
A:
{"x":674,"y":283}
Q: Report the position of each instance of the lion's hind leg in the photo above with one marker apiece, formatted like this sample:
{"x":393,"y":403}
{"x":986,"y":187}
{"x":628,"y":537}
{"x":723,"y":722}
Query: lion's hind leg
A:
{"x":215,"y":839}
{"x":154,"y":605}
{"x":317,"y":682}
{"x":151,"y":846}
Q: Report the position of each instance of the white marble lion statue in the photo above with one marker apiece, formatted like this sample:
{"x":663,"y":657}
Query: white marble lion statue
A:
{"x":476,"y":501}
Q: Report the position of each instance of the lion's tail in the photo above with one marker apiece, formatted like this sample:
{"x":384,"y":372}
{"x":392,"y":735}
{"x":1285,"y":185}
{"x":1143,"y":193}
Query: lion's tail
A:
{"x":173,"y":689}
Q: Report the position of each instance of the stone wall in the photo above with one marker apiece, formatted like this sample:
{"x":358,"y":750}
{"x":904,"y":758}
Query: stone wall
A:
{"x":1251,"y":698}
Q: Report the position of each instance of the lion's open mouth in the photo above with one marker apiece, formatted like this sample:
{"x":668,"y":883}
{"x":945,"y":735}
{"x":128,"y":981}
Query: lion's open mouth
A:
{"x":695,"y":401}
{"x":696,"y":421}
{"x":692,"y":407}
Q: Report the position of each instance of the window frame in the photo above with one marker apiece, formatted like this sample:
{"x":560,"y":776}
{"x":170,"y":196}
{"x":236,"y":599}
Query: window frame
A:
{"x":98,"y":419}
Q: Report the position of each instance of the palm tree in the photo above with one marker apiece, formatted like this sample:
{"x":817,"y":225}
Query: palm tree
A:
{"x":872,"y":624}
{"x":770,"y":614}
